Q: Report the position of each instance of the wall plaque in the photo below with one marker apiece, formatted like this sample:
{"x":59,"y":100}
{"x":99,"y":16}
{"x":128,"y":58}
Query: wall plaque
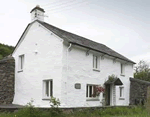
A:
{"x":77,"y":86}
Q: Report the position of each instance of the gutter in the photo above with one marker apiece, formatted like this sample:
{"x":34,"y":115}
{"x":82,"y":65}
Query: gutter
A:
{"x":103,"y":52}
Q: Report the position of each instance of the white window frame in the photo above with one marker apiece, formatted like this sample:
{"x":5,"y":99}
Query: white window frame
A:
{"x":88,"y":95}
{"x":47,"y":93}
{"x":96,"y":62}
{"x":21,"y":62}
{"x":122,"y":69}
{"x":121,"y":92}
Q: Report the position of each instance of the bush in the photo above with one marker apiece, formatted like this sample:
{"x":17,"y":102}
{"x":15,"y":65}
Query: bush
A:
{"x":54,"y":103}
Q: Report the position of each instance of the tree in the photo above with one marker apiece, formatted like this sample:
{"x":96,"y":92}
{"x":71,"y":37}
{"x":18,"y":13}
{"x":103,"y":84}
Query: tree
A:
{"x":142,"y":71}
{"x":1,"y":57}
{"x":5,"y":50}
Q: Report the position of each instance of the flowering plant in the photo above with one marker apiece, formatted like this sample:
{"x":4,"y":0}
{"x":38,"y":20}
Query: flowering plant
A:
{"x":98,"y":90}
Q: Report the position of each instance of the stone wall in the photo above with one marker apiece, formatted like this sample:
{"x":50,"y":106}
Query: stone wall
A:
{"x":138,"y":91}
{"x":7,"y":67}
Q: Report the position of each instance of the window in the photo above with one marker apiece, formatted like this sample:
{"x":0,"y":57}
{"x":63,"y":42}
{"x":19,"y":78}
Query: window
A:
{"x":121,"y":95}
{"x":47,"y":88}
{"x":122,"y":69}
{"x":21,"y":62}
{"x":90,"y":90}
{"x":95,"y":62}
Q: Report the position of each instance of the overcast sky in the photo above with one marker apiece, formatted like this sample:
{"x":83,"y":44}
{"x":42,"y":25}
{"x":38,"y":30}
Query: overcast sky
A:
{"x":122,"y":25}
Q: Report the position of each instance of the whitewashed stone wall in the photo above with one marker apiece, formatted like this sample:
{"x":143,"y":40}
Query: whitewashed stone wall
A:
{"x":46,"y":64}
{"x":80,"y":70}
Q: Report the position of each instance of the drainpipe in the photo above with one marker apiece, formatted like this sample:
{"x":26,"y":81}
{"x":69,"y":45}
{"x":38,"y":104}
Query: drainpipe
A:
{"x":67,"y":60}
{"x":67,"y":55}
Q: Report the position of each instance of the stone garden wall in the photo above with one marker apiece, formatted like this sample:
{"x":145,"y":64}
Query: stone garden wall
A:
{"x":138,"y":91}
{"x":7,"y":67}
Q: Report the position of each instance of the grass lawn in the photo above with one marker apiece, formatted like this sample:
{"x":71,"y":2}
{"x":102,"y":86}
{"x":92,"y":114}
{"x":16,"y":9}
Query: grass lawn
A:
{"x":107,"y":112}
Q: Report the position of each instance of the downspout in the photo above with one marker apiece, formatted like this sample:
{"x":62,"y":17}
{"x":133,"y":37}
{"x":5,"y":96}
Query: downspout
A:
{"x":67,"y":71}
{"x":67,"y":55}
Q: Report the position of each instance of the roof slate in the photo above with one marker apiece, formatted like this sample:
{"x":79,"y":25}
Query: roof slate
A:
{"x":115,"y":81}
{"x":81,"y":41}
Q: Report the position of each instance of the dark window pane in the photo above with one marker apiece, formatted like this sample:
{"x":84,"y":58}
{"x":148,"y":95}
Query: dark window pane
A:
{"x":86,"y":90}
{"x":51,"y":88}
{"x":47,"y":88}
{"x":121,"y":69}
{"x":21,"y":61}
{"x":95,"y":61}
{"x":120,"y":91}
{"x":90,"y":91}
{"x":94,"y":91}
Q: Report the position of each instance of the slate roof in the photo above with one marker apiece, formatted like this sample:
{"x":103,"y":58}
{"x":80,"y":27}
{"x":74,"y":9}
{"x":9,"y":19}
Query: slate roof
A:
{"x":81,"y":41}
{"x":115,"y":81}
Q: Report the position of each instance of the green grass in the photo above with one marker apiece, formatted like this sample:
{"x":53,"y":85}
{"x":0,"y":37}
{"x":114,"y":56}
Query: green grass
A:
{"x":107,"y":112}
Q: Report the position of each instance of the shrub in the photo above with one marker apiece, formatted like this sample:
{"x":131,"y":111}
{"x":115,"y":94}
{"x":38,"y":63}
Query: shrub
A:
{"x":54,"y":103}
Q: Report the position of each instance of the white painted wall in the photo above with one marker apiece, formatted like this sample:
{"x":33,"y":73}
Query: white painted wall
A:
{"x":37,"y":15}
{"x":81,"y":71}
{"x":46,"y":64}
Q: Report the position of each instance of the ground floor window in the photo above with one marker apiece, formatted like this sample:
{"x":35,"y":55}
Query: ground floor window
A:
{"x":121,"y":92}
{"x":21,"y":62}
{"x":90,"y":91}
{"x":47,"y":88}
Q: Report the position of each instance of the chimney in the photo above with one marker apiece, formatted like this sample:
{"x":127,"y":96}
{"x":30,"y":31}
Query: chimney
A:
{"x":37,"y":13}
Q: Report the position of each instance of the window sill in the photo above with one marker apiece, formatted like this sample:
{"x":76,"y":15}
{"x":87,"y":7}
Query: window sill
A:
{"x":96,"y":70}
{"x":122,"y":75}
{"x":94,"y":99}
{"x":20,"y":71}
{"x":47,"y":98}
{"x":121,"y":98}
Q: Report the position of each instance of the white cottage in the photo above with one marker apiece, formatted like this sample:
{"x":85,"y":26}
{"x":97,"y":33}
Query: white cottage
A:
{"x":52,"y":62}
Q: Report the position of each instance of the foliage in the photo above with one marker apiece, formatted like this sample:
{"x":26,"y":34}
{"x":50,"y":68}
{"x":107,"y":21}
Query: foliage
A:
{"x":5,"y":50}
{"x":54,"y":103}
{"x":98,"y":90}
{"x":111,"y":112}
{"x":28,"y":111}
{"x":89,"y":112}
{"x":112,"y":77}
{"x":142,"y":66}
{"x":142,"y":71}
{"x":1,"y":56}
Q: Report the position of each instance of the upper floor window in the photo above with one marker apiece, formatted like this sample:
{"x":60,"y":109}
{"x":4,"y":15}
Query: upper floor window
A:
{"x":95,"y":62}
{"x":122,"y":68}
{"x":47,"y":88}
{"x":21,"y":62}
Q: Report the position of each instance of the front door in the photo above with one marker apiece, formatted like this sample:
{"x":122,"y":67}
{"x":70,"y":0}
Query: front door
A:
{"x":107,"y":95}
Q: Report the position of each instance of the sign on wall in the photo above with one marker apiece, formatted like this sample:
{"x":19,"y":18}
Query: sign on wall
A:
{"x":77,"y":86}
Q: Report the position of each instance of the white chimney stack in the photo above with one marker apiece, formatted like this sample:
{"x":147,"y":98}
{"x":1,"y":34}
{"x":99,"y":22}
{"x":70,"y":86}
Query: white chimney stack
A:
{"x":37,"y":13}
